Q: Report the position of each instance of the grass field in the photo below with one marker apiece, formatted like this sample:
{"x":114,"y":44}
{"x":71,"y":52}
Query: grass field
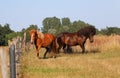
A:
{"x":101,"y":61}
{"x":91,"y":65}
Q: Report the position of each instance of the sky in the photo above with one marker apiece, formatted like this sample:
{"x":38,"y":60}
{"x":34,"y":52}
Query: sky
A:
{"x":22,"y":13}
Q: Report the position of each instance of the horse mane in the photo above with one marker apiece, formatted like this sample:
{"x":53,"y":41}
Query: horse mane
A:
{"x":32,"y":31}
{"x":86,"y":31}
{"x":40,"y":34}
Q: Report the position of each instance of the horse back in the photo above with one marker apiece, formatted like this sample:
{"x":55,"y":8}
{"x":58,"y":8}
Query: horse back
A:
{"x":48,"y":39}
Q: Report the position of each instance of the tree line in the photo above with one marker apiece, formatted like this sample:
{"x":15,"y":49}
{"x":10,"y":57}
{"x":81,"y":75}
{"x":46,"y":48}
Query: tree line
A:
{"x":52,"y":25}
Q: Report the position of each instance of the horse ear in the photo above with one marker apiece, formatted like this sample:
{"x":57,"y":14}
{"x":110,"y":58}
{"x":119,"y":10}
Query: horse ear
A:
{"x":40,"y":34}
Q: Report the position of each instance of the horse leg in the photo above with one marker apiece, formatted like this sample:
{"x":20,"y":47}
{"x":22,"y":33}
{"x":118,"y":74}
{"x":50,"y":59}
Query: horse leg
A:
{"x":64,"y":48}
{"x":83,"y":48}
{"x":47,"y":50}
{"x":58,"y":50}
{"x":38,"y":53}
{"x":69,"y":49}
{"x":54,"y":48}
{"x":54,"y":53}
{"x":38,"y":48}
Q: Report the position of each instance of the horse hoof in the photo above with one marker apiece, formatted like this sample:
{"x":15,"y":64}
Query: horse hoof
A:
{"x":44,"y":58}
{"x":39,"y":58}
{"x":54,"y":56}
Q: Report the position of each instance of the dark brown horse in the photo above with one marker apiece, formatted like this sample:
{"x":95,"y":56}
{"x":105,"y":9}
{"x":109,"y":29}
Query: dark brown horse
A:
{"x":42,"y":40}
{"x":77,"y":38}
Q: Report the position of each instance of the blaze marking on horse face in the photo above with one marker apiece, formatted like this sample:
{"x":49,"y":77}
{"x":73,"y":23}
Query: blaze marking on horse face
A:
{"x":32,"y":38}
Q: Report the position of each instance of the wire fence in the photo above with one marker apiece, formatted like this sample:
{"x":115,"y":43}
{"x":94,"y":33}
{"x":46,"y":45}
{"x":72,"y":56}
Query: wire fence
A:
{"x":16,"y":47}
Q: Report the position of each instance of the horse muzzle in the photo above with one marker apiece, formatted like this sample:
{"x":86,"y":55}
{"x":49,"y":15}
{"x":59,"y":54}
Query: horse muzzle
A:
{"x":31,"y":42}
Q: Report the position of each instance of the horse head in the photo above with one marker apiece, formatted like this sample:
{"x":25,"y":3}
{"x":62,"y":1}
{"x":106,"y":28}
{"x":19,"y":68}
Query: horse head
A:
{"x":91,"y":32}
{"x":33,"y":34}
{"x":88,"y":32}
{"x":91,"y":38}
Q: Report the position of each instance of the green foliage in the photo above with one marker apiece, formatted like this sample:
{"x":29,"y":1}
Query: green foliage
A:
{"x":50,"y":23}
{"x":4,"y":30}
{"x":110,"y":30}
{"x":7,"y":34}
{"x":66,"y":21}
{"x":32,"y":27}
{"x":77,"y":25}
{"x":52,"y":31}
{"x":63,"y":25}
{"x":10,"y":36}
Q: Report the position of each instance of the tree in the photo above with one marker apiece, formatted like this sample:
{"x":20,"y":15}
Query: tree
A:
{"x":63,"y":25}
{"x":50,"y":23}
{"x":52,"y":31}
{"x":77,"y":25}
{"x":4,"y":30}
{"x":110,"y":30}
{"x":32,"y":27}
{"x":66,"y":21}
{"x":7,"y":29}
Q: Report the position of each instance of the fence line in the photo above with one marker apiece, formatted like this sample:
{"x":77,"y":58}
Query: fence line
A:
{"x":15,"y":53}
{"x":16,"y":47}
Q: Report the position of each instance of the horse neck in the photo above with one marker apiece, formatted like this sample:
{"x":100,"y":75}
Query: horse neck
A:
{"x":35,"y":41}
{"x":83,"y":36}
{"x":86,"y":37}
{"x":38,"y":40}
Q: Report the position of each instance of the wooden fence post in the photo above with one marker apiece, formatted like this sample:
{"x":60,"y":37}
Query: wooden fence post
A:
{"x":18,"y":54}
{"x":24,"y":42}
{"x":12,"y":62}
{"x":4,"y":62}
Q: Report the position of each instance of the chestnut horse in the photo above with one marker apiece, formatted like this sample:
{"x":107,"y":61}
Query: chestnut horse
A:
{"x":42,"y":41}
{"x":77,"y":38}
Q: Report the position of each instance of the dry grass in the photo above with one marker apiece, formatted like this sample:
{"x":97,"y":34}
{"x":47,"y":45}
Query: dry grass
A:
{"x":104,"y":64}
{"x":104,"y":44}
{"x":99,"y":65}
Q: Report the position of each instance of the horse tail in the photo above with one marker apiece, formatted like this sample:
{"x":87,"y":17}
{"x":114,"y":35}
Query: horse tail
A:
{"x":59,"y":43}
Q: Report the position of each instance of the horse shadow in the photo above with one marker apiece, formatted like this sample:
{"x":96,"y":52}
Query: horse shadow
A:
{"x":71,"y":51}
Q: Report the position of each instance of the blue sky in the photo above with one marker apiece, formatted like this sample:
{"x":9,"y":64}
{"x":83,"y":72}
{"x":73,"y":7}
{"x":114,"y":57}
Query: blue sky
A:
{"x":22,"y":13}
